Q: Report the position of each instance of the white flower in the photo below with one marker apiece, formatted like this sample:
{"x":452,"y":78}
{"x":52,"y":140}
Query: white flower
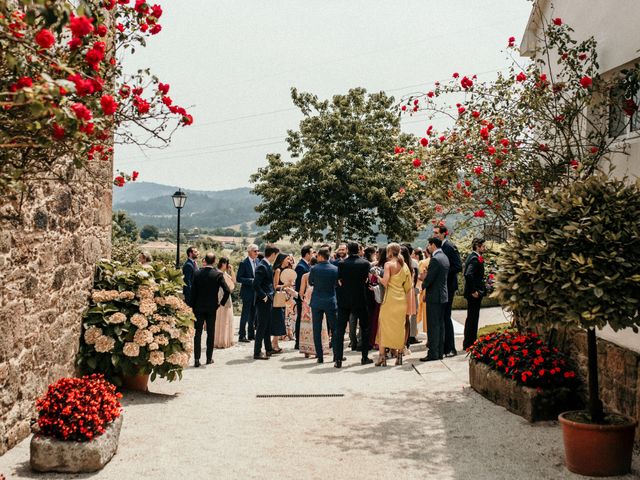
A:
{"x":117,"y":317}
{"x":153,"y":346}
{"x":143,"y":274}
{"x":92,"y":334}
{"x":161,"y":340}
{"x":139,"y":320}
{"x":156,"y":358}
{"x":143,"y":337}
{"x":104,"y":344}
{"x":131,"y":349}
{"x":178,"y":358}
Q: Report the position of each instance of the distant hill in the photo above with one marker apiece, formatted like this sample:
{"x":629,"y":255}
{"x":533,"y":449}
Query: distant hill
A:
{"x":151,"y":204}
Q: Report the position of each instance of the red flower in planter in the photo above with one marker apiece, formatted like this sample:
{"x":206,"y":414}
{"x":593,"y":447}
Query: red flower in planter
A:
{"x":78,"y":409}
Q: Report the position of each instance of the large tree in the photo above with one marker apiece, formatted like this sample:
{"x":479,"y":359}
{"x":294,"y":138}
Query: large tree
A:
{"x":342,"y":178}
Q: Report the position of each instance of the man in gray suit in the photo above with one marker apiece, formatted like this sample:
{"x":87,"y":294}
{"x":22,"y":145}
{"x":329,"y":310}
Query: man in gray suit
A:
{"x":436,"y":296}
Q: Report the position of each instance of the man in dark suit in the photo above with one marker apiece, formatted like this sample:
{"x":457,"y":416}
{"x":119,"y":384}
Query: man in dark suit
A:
{"x":353,"y":273}
{"x":451,"y":251}
{"x":323,"y":277}
{"x":263,"y":287}
{"x":245,"y":276}
{"x":436,"y":296}
{"x":474,"y":290}
{"x":188,"y":270}
{"x":207,"y":283}
{"x":301,"y":268}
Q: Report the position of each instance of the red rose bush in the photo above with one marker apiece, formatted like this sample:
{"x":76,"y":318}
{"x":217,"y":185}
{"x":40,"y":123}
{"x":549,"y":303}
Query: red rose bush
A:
{"x":78,"y":409}
{"x":525,"y":358}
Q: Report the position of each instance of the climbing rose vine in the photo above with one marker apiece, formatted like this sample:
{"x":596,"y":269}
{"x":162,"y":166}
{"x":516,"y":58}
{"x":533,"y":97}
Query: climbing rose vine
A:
{"x":540,"y":125}
{"x":64,"y":97}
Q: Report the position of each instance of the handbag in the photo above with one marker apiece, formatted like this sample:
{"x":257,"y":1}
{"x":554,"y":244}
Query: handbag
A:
{"x":377,"y":293}
{"x":279,"y":299}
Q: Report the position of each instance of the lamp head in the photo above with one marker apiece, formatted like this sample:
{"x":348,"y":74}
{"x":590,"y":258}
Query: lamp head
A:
{"x":179,"y":199}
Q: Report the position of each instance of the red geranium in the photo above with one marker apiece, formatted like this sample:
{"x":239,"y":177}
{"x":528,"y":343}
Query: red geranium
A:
{"x":45,"y":39}
{"x":78,"y":409}
{"x":525,"y":358}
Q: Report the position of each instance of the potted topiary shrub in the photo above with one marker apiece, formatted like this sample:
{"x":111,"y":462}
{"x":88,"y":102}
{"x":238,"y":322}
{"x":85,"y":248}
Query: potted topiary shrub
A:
{"x":573,"y":260}
{"x":78,"y":426}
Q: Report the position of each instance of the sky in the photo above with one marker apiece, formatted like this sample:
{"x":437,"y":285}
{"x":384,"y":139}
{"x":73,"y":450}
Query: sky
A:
{"x":233,"y":64}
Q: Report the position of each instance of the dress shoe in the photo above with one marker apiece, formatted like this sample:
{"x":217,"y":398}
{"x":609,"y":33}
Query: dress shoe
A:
{"x":452,"y":353}
{"x":244,"y":340}
{"x":338,"y":364}
{"x":197,"y":363}
{"x":210,"y":361}
{"x":252,"y":339}
{"x":269,"y":353}
{"x":276,"y":352}
{"x":261,"y":357}
{"x":319,"y":360}
{"x":428,"y":359}
{"x":366,"y":361}
{"x":413,"y":341}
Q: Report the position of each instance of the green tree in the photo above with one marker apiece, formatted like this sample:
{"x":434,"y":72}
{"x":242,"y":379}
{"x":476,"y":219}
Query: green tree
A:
{"x":123,"y":227}
{"x":148,"y":232}
{"x":342,"y":178}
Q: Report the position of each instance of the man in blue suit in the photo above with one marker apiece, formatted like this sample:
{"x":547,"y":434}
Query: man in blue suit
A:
{"x":301,"y":268}
{"x":246,"y":274}
{"x":323,"y":278}
{"x":188,"y":271}
{"x":263,"y":288}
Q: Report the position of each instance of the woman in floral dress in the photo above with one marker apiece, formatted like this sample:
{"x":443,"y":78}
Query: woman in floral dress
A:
{"x":307,"y":346}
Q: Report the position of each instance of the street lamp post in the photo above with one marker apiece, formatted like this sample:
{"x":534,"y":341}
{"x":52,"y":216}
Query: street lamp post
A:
{"x":179,"y":200}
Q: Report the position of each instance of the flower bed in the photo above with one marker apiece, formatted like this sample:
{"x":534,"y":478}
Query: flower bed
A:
{"x":523,"y":374}
{"x":136,"y":324}
{"x":78,"y":426}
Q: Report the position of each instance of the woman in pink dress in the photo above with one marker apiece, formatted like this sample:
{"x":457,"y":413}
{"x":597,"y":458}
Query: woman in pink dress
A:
{"x":223,"y":337}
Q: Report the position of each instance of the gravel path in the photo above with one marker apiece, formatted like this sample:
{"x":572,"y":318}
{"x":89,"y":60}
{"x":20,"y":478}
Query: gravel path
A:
{"x":415,"y":421}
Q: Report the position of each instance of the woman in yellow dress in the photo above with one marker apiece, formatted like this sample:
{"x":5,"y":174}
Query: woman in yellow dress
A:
{"x":423,"y":264}
{"x":397,"y":283}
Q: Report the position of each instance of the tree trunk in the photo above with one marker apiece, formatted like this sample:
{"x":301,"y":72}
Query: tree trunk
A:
{"x":595,"y":404}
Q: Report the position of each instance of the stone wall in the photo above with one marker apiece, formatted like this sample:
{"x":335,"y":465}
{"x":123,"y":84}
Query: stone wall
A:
{"x":617,"y":374}
{"x":47,"y":257}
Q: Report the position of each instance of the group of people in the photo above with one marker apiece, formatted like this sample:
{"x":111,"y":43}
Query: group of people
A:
{"x":379,"y":295}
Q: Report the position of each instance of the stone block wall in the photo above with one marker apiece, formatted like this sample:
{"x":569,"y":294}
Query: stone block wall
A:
{"x":47,"y":258}
{"x":617,"y":373}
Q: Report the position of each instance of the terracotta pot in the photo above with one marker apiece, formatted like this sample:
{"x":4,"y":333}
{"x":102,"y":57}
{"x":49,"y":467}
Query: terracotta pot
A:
{"x":139,"y":383}
{"x":598,"y":450}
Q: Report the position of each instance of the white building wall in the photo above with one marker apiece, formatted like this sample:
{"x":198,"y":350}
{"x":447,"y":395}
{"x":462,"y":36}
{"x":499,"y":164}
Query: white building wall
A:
{"x":614,"y":25}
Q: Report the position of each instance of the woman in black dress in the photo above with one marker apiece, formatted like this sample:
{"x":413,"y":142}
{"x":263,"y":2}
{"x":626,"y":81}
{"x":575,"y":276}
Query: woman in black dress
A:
{"x":278,"y":327}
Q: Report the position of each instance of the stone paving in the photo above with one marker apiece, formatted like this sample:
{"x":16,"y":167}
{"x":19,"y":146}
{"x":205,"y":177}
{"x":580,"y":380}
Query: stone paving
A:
{"x":416,"y":421}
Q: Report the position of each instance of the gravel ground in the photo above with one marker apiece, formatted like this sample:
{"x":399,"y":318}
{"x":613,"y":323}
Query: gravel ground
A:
{"x":414,"y":421}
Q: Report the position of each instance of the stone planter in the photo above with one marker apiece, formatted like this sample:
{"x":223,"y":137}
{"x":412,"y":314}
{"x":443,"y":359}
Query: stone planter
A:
{"x":527,"y":402}
{"x":52,"y":455}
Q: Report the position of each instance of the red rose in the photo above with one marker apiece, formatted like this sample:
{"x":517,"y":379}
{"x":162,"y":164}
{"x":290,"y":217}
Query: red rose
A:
{"x":521,"y":77}
{"x":456,"y":75}
{"x":574,"y":164}
{"x":586,"y":82}
{"x":512,"y":41}
{"x":119,"y":181}
{"x":424,"y":142}
{"x":45,"y":39}
{"x":475,"y":114}
{"x":479,"y":214}
{"x":156,"y":11}
{"x":466,"y":83}
{"x":108,"y":104}
{"x":102,"y":30}
{"x":478,"y":170}
{"x":164,"y":88}
{"x":25,"y":82}
{"x":461,"y":110}
{"x":156,"y":29}
{"x":557,"y":21}
{"x":125,"y":91}
{"x":403,"y":108}
{"x":417,"y":162}
{"x":81,"y":111}
{"x":58,"y":131}
{"x":187,"y":119}
{"x":491,"y":150}
{"x":484,"y":132}
{"x":141,"y":6}
{"x":134,"y":176}
{"x":80,"y":26}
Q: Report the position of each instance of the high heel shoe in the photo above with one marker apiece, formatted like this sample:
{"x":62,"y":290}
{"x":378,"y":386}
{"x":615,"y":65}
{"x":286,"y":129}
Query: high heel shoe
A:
{"x":399,"y":359}
{"x":381,"y":362}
